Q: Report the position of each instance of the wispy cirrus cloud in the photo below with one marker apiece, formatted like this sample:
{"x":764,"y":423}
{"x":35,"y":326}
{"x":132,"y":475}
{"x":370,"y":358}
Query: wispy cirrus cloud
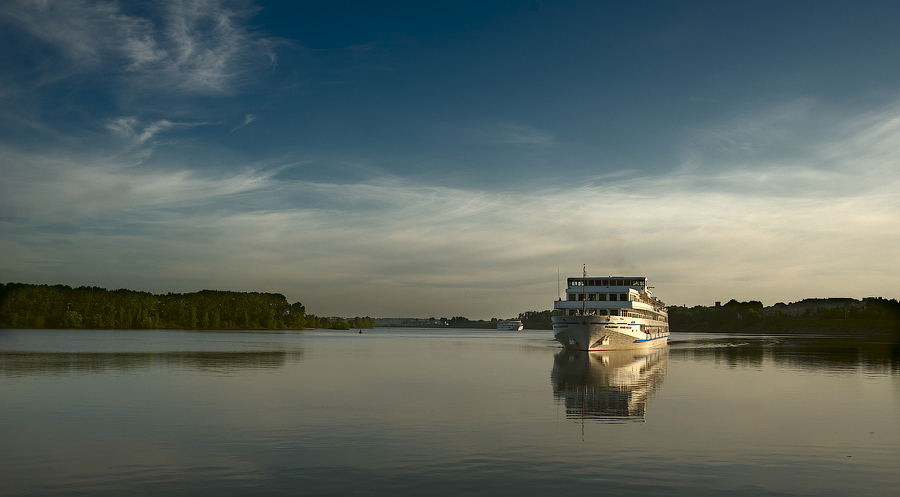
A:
{"x":514,"y":134}
{"x":191,"y":46}
{"x":248,"y":118}
{"x":761,"y":133}
{"x":390,"y":246}
{"x":202,"y":46}
{"x":134,"y":132}
{"x":89,"y":189}
{"x":766,"y":205}
{"x":797,"y":149}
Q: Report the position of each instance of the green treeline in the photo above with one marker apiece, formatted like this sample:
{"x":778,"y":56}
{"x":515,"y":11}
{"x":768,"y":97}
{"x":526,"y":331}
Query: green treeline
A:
{"x":454,"y":322}
{"x":749,"y":316}
{"x":342,"y":324}
{"x":60,"y":306}
{"x":873,"y":314}
{"x":536,"y":320}
{"x":531,"y":320}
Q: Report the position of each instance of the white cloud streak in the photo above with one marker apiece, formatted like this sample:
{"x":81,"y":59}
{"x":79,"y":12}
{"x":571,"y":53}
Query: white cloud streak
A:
{"x":776,"y":205}
{"x":514,"y":134}
{"x":135,"y":133}
{"x":249,"y":118}
{"x":393,"y":247}
{"x":193,"y":46}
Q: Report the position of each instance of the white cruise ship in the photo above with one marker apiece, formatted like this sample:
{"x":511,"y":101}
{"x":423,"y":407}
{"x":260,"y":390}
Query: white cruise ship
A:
{"x":510,"y":325}
{"x":609,"y":313}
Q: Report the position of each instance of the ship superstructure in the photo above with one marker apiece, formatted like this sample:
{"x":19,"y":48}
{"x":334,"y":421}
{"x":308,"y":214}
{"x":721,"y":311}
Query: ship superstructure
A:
{"x":609,"y":313}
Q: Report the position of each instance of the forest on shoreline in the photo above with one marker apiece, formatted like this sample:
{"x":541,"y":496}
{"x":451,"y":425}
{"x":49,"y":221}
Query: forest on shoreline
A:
{"x":532,"y":320}
{"x":874,"y":314}
{"x":60,"y":306}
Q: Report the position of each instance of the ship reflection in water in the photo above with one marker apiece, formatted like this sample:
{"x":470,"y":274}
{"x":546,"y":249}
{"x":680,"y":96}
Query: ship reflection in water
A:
{"x":610,"y":387}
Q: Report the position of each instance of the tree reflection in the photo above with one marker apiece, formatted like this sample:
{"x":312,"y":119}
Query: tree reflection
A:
{"x":15,"y":363}
{"x":815,"y":353}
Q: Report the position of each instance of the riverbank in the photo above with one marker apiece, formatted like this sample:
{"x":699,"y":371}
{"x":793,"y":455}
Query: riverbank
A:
{"x":804,"y":325}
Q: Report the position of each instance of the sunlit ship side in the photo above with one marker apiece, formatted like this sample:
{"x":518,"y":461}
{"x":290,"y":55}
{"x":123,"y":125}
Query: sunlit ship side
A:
{"x":609,"y":313}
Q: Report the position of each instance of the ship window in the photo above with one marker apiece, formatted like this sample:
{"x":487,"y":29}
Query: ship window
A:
{"x":592,"y":296}
{"x":601,"y":296}
{"x":612,"y":296}
{"x":613,"y":312}
{"x":623,"y":297}
{"x":604,"y":282}
{"x":571,"y":296}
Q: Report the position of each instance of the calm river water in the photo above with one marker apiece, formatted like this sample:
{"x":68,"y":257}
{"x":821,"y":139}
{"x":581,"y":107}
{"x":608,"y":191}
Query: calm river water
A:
{"x":441,"y":412}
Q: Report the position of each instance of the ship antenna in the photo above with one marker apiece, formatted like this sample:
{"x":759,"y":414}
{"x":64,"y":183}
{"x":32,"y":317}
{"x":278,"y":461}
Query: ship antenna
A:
{"x":584,"y":290}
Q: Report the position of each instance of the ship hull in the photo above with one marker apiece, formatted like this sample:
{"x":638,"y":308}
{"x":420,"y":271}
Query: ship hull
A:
{"x":594,"y":333}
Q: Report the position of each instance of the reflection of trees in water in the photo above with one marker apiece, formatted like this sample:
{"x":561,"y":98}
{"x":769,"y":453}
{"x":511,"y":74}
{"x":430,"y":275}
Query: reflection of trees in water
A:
{"x":813,"y":353}
{"x":608,"y":386}
{"x":39,"y":363}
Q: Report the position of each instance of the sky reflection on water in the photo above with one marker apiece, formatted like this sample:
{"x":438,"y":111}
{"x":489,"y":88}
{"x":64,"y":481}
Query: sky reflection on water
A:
{"x":392,"y":412}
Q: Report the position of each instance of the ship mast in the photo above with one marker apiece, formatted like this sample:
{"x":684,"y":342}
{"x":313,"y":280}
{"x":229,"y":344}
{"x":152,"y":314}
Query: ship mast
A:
{"x":584,"y":290}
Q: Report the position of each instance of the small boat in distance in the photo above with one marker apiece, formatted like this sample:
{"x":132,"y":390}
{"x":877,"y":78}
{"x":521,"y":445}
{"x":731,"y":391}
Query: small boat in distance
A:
{"x":609,"y":313}
{"x":510,"y":325}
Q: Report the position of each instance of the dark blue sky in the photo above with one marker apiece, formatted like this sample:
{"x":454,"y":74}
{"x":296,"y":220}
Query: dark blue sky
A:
{"x":447,"y":158}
